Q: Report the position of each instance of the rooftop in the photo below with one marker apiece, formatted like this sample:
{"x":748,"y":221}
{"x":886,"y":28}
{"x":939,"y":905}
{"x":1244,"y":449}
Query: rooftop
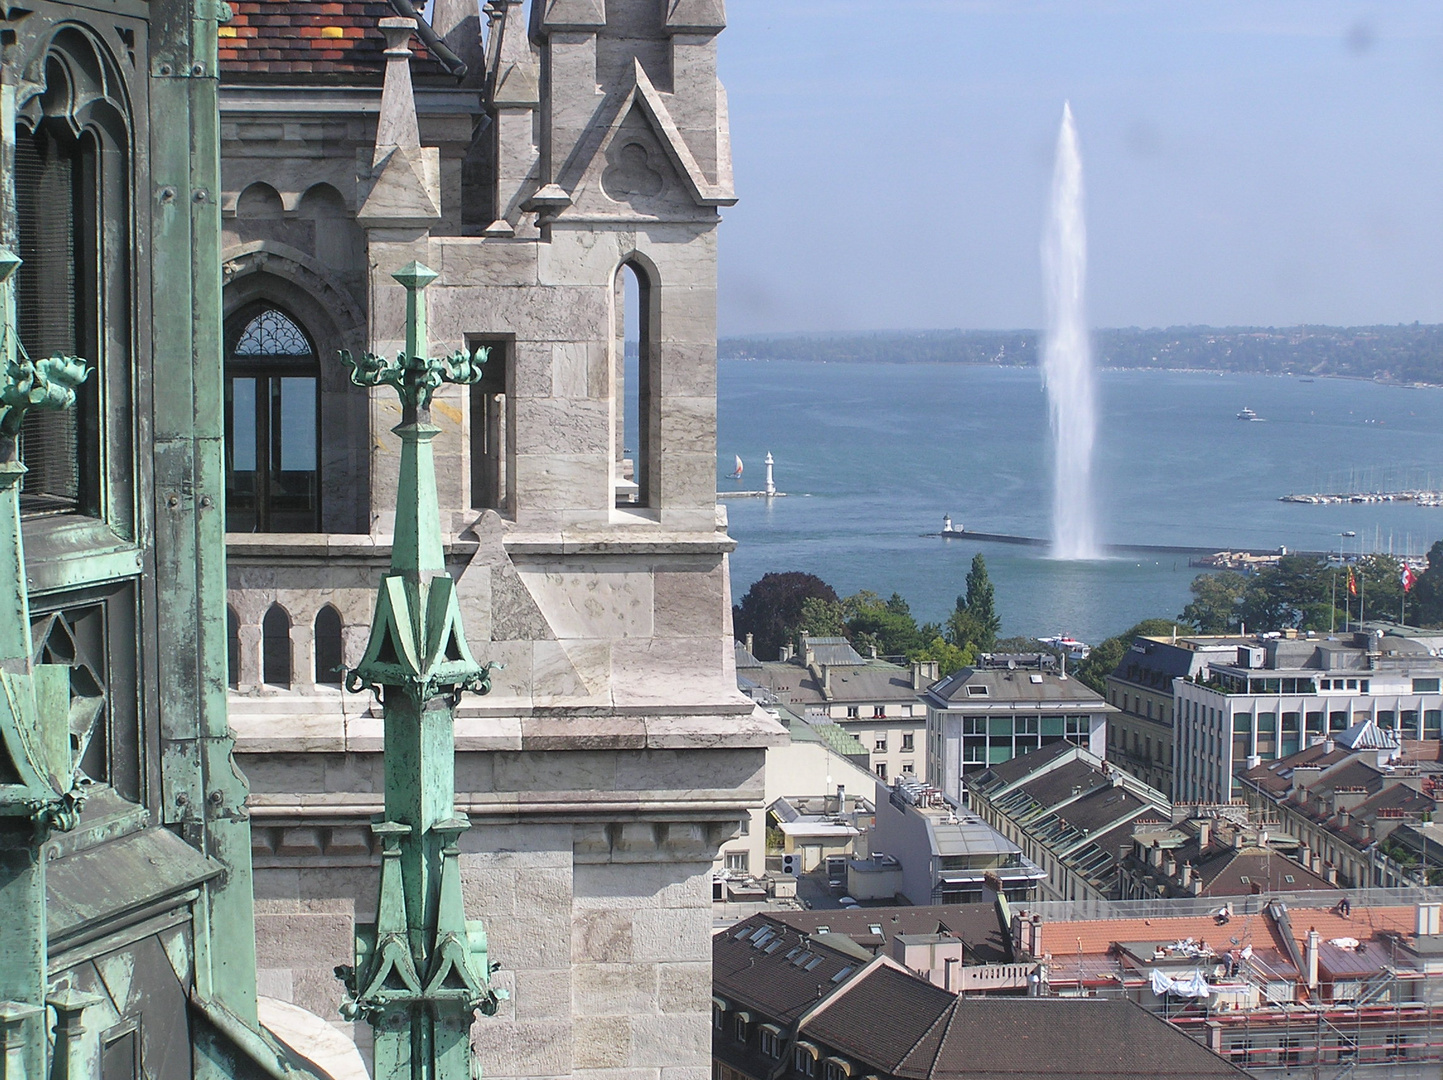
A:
{"x":303,"y":41}
{"x":985,"y":688}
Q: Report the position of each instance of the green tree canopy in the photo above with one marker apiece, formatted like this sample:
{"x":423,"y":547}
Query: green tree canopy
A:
{"x":949,"y":657}
{"x":887,"y":625}
{"x":982,"y":603}
{"x":1217,"y":601}
{"x":822,"y":618}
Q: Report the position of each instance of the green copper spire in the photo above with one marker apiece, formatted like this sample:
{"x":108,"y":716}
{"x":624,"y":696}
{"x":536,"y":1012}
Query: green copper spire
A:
{"x":40,"y":782}
{"x":421,"y":972}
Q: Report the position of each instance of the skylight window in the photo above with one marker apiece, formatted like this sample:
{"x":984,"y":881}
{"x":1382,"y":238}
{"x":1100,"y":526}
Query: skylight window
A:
{"x":976,"y":691}
{"x":1245,"y":880}
{"x":773,"y":947}
{"x":813,"y":963}
{"x":839,"y":976}
{"x":875,"y":928}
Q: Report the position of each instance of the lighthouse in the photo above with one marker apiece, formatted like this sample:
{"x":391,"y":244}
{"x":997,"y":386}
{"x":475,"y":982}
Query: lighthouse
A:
{"x":771,"y":488}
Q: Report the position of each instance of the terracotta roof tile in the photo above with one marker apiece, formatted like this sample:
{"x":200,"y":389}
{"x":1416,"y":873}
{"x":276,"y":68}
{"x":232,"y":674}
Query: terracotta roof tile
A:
{"x":1097,"y":936}
{"x":297,"y":39}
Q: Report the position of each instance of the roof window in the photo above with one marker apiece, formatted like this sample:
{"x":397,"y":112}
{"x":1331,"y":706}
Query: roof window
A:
{"x":974,"y":690}
{"x":839,"y":976}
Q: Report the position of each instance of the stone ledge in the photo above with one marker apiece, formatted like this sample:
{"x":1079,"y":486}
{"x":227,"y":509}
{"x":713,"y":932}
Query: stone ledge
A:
{"x":659,"y":728}
{"x":629,"y":539}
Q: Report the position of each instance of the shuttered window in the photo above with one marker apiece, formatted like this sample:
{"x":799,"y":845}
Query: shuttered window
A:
{"x":55,"y":301}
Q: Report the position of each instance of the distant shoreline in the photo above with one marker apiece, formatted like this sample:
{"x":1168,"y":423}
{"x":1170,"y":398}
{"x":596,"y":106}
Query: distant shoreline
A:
{"x":1387,"y":355}
{"x":1376,"y":380}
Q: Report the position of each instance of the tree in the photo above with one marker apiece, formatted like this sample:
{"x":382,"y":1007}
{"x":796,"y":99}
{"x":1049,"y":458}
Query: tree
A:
{"x":822,"y":618}
{"x":981,"y":603}
{"x":1380,"y":587}
{"x":949,"y":657}
{"x":1102,"y":661}
{"x":886,"y":625}
{"x":771,"y":610}
{"x":1217,"y":599}
{"x":1296,"y":592}
{"x":1425,"y":602}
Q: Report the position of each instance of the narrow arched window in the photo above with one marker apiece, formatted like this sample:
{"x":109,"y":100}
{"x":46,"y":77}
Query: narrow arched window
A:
{"x":232,"y":647}
{"x":329,"y":661}
{"x":632,"y":405}
{"x":276,"y":647}
{"x":272,"y":413}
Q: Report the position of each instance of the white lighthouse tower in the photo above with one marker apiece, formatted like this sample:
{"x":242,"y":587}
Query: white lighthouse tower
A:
{"x":771,"y":488}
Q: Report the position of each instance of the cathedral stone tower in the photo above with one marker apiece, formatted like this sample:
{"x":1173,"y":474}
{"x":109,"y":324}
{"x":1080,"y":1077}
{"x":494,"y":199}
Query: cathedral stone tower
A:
{"x":563,"y":177}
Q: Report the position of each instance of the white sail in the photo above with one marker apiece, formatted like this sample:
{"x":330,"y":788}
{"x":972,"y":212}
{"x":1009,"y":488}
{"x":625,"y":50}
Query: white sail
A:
{"x":738,"y":472}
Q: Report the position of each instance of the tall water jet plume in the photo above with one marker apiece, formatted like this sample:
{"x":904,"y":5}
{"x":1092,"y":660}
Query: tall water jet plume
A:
{"x":1067,"y":370}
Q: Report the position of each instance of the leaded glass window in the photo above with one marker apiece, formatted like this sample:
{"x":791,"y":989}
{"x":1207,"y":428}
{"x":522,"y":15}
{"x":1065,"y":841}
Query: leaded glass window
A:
{"x":272,"y":425}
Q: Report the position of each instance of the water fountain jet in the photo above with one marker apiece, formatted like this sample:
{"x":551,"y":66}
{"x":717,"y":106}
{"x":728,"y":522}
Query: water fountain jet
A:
{"x":1067,"y":370}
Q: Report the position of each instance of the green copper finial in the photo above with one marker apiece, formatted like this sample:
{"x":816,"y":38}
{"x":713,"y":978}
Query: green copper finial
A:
{"x":415,"y":376}
{"x":420,"y":974}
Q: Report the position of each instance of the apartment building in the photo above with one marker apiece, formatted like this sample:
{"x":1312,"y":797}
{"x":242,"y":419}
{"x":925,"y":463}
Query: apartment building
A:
{"x":1274,"y":695}
{"x":874,"y":700}
{"x":1003,"y":707}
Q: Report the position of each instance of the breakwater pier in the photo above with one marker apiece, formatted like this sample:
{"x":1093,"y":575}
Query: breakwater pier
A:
{"x":1216,"y":555}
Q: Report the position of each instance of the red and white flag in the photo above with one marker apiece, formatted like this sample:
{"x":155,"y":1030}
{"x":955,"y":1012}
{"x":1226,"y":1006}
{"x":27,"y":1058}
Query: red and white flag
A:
{"x":1407,"y":578}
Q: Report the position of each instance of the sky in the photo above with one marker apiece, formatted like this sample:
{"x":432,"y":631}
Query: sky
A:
{"x":1246,"y":162}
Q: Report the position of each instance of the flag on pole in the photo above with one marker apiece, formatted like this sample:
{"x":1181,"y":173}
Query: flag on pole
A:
{"x":1352,"y":583}
{"x":1407,"y":578}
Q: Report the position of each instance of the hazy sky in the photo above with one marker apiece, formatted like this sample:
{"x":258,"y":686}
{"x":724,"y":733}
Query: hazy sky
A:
{"x":1246,"y":161}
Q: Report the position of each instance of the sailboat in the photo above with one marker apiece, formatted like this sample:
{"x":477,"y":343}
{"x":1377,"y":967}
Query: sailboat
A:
{"x":736,"y":474}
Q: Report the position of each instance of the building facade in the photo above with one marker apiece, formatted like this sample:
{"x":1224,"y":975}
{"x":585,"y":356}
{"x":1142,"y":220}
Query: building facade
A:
{"x":946,"y":856}
{"x":873,"y":700}
{"x":1140,"y":735}
{"x":1004,"y":707}
{"x":127,"y":948}
{"x":1275,"y":695}
{"x":560,"y":168}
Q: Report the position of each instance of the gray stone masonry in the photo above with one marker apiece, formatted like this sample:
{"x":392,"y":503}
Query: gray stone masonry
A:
{"x":614,"y":754}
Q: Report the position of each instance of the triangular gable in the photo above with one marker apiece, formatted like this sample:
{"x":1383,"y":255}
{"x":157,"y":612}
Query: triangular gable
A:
{"x":702,"y":191}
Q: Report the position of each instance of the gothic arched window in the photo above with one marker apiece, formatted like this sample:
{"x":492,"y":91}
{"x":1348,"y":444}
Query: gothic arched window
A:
{"x":272,"y":411}
{"x":328,"y":652}
{"x":72,"y":180}
{"x":276,"y":647}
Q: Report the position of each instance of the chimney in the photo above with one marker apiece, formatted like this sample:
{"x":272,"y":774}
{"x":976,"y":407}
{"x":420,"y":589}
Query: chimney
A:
{"x":841,"y":798}
{"x":1169,"y":865}
{"x":1332,"y":874}
{"x":1316,"y":865}
{"x":1187,"y":875}
{"x":749,"y":644}
{"x":1304,"y":853}
{"x":1204,"y":834}
{"x":917,"y":683}
{"x":826,"y":674}
{"x":1429,"y":917}
{"x":1329,"y":746}
{"x":1197,"y":886}
{"x":1311,"y":960}
{"x":872,"y":651}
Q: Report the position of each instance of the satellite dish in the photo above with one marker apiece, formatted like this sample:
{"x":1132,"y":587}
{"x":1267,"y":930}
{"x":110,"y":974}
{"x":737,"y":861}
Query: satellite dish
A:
{"x":1012,"y":665}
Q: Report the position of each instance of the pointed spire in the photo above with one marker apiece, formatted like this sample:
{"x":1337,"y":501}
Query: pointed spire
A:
{"x":404,"y":186}
{"x":458,"y":24}
{"x":397,"y":128}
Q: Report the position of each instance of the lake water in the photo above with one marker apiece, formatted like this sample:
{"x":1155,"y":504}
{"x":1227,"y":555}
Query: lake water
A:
{"x":872,"y":456}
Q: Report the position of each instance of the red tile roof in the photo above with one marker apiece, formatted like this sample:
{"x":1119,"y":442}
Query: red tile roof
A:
{"x":309,"y":41}
{"x":1098,"y":936}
